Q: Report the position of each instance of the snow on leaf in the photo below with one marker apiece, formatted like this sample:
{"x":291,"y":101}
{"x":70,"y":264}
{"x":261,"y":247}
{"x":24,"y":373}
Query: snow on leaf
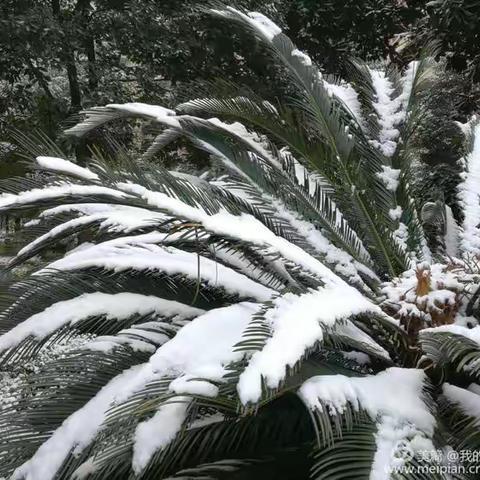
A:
{"x":403,"y":418}
{"x":258,"y":21}
{"x":377,"y":394}
{"x":64,"y":166}
{"x":297,"y":323}
{"x":467,"y":400}
{"x":8,"y":200}
{"x":390,"y":177}
{"x":469,"y":196}
{"x":157,"y":432}
{"x":138,"y":255}
{"x":79,"y":429}
{"x":348,"y":96}
{"x":114,"y":306}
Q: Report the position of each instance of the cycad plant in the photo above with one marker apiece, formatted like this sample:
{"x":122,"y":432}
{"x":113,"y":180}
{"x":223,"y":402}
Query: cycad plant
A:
{"x":287,"y":320}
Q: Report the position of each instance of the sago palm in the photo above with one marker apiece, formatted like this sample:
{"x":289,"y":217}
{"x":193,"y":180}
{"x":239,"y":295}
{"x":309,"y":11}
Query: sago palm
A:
{"x":287,"y":320}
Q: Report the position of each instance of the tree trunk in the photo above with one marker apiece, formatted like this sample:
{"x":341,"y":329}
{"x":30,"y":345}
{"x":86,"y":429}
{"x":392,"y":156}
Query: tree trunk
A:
{"x":68,"y":56}
{"x":75,"y":93}
{"x":37,"y":74}
{"x":92,"y":68}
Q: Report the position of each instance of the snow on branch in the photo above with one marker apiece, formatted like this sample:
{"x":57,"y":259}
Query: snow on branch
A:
{"x":55,"y":192}
{"x":187,"y":355}
{"x":112,"y":218}
{"x":133,"y":253}
{"x":116,"y":307}
{"x":394,"y":399}
{"x":64,"y":166}
{"x":467,"y":400}
{"x":259,"y":22}
{"x":297,"y":323}
{"x":97,"y":116}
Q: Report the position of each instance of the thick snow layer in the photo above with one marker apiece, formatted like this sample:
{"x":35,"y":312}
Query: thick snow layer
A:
{"x":408,"y":80}
{"x":114,"y":218}
{"x":264,"y":24}
{"x":387,"y":109}
{"x":121,"y":218}
{"x":391,"y":110}
{"x":249,"y":229}
{"x":99,"y":115}
{"x":58,"y":230}
{"x":358,"y":357}
{"x":142,"y":256}
{"x":8,"y":200}
{"x":468,"y":401}
{"x":161,"y":200}
{"x":190,"y":356}
{"x":64,"y":166}
{"x":469,"y":196}
{"x":390,"y":177}
{"x":403,"y":418}
{"x":83,"y":208}
{"x":303,"y":57}
{"x":107,"y":343}
{"x":377,"y":394}
{"x":395,"y":213}
{"x":297,"y":323}
{"x":348,"y":96}
{"x":191,"y":352}
{"x":400,"y":236}
{"x":117,"y":306}
{"x":157,"y":432}
{"x":394,"y":439}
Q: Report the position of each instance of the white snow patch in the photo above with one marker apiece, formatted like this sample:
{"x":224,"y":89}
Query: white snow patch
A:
{"x":157,"y":432}
{"x":348,"y":96}
{"x":120,"y":256}
{"x":191,"y":352}
{"x":9,"y":200}
{"x":390,"y":177}
{"x":395,"y":213}
{"x":155,"y":112}
{"x":65,"y":166}
{"x":304,"y":58}
{"x":467,"y":400}
{"x":358,"y":357}
{"x":297,"y":323}
{"x":260,"y":22}
{"x":117,"y":306}
{"x":469,"y":196}
{"x":377,"y":394}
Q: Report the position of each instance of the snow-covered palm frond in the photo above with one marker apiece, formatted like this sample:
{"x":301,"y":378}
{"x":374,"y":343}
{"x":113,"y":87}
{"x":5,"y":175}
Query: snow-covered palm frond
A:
{"x":270,"y":323}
